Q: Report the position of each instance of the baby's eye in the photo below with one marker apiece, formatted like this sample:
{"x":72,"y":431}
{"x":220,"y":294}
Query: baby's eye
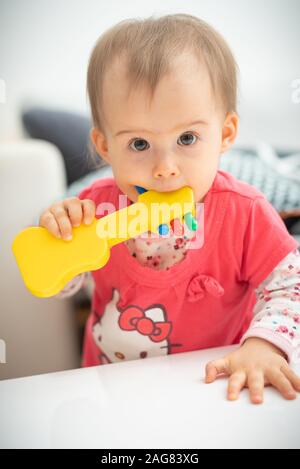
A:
{"x":186,"y":138}
{"x":139,"y":144}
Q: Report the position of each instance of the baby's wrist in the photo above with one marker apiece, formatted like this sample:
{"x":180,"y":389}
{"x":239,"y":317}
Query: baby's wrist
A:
{"x":259,"y":342}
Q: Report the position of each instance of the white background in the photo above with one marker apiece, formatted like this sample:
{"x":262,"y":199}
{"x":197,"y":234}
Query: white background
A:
{"x":45,"y":46}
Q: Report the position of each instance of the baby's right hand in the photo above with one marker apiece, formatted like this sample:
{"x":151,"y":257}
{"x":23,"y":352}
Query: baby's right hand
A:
{"x":60,"y":217}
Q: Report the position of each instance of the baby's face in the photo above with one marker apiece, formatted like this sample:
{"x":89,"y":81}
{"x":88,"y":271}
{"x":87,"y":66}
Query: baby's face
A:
{"x":164,"y":147}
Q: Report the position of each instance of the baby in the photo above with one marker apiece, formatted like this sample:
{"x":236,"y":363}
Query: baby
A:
{"x":163,"y":99}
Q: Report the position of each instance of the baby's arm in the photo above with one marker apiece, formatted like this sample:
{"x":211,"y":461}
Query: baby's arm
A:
{"x":272,"y":339}
{"x":277,"y":311}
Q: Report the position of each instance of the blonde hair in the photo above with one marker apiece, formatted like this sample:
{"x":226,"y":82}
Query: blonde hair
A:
{"x":149,"y":46}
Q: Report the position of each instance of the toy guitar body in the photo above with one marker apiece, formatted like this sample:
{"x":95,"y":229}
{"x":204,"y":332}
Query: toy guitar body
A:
{"x":47,"y":263}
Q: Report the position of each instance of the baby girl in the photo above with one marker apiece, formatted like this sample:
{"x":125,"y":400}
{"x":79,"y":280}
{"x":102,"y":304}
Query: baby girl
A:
{"x":163,"y":95}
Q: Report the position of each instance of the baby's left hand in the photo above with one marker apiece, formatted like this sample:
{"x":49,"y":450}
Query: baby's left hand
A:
{"x":256,"y":364}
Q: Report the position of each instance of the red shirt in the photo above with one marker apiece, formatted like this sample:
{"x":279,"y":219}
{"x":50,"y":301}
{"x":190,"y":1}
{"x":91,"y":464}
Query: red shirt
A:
{"x":206,"y":300}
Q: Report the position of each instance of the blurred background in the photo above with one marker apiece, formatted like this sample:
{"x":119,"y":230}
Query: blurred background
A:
{"x":44,"y":124}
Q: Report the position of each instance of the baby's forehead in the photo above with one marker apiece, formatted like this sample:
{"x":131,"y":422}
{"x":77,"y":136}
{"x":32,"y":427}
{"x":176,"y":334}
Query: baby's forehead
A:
{"x":190,"y":94}
{"x":185,"y":76}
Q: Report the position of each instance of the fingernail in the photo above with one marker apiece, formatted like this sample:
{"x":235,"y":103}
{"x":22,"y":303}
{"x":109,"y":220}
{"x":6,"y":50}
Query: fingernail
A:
{"x":232,"y":397}
{"x":68,"y":238}
{"x":257,"y":398}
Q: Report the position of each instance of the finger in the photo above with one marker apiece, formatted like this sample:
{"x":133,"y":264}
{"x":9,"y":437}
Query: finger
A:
{"x":292,"y":377}
{"x":89,"y":210}
{"x":63,"y":221}
{"x":235,"y":384}
{"x":279,"y":381}
{"x":256,"y":385}
{"x":48,"y":221}
{"x":214,"y":368}
{"x":73,"y":207}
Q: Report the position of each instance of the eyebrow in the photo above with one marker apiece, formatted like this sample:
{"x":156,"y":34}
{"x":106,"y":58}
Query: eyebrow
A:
{"x":186,"y":124}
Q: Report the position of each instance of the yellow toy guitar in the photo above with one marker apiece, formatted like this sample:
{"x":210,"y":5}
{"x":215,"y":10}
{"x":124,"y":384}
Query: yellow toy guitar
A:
{"x":48,"y":263}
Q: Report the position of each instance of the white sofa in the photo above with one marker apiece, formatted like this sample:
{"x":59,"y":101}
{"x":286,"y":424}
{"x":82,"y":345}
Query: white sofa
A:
{"x":36,"y":335}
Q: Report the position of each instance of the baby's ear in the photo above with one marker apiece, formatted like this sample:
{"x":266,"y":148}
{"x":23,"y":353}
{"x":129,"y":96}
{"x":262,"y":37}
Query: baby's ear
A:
{"x":229,"y":131}
{"x":100,"y":143}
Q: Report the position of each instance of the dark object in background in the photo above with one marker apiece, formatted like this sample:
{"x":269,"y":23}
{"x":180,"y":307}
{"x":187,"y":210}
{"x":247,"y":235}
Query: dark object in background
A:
{"x":292,"y":224}
{"x":69,"y":132}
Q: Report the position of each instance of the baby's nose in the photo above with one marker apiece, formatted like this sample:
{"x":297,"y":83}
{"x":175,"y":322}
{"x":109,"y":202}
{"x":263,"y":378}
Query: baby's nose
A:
{"x":165,"y":172}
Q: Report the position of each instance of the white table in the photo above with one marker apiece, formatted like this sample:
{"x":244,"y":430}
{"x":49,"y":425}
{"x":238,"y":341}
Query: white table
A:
{"x":159,"y":402}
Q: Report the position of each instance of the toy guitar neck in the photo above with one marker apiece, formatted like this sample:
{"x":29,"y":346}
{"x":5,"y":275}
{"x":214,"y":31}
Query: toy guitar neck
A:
{"x":47,"y":263}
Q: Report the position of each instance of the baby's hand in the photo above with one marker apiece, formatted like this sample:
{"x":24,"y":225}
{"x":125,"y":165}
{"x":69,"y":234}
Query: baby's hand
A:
{"x":60,"y":217}
{"x":257,"y":363}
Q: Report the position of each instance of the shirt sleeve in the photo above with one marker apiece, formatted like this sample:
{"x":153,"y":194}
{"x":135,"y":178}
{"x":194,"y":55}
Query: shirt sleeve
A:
{"x":277,"y":311}
{"x":73,"y":286}
{"x":266,"y":242}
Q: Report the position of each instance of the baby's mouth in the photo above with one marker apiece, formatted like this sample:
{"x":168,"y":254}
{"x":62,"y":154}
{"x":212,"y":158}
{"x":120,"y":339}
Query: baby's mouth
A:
{"x":164,"y":228}
{"x":141,"y":190}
